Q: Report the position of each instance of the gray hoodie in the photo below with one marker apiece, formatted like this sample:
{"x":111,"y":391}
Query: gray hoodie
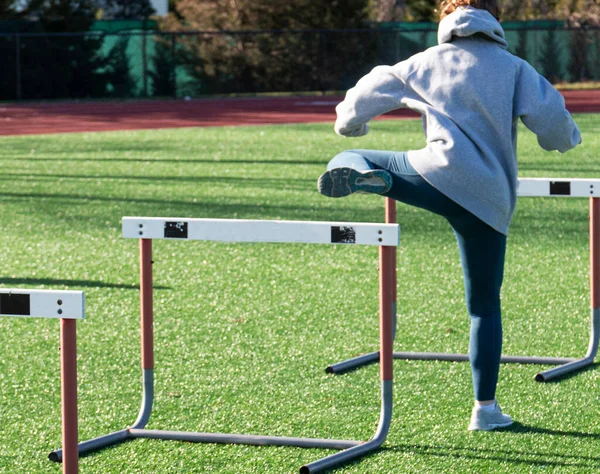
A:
{"x":470,"y":92}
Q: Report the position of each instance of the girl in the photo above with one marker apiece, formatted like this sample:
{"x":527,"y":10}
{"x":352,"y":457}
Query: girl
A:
{"x":470,"y":92}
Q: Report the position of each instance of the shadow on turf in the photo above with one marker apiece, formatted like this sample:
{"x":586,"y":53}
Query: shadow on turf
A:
{"x":520,"y":428}
{"x":71,"y":283}
{"x":183,"y":161}
{"x":530,"y":458}
{"x":267,"y":182}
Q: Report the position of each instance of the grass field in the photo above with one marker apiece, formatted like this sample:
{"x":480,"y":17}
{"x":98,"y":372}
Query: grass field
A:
{"x":243,"y":332}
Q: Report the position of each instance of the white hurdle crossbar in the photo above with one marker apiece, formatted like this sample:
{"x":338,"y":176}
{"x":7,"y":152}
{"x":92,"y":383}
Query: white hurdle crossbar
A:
{"x":68,"y":306}
{"x":384,"y":236}
{"x":528,"y":187}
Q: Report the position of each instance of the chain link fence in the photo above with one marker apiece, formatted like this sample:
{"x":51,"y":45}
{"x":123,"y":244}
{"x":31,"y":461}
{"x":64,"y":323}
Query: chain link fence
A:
{"x":149,"y":64}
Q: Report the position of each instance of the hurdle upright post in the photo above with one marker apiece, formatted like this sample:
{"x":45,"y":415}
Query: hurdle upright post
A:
{"x":147,"y":333}
{"x":146,"y":304}
{"x":390,"y":218}
{"x":595,"y":255}
{"x":68,"y":369}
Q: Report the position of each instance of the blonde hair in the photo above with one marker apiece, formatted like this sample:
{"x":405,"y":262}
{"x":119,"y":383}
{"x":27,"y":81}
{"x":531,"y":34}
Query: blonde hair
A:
{"x":492,"y":6}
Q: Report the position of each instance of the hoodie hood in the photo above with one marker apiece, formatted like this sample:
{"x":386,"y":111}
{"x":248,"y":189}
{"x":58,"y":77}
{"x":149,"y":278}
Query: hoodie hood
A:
{"x":468,"y":21}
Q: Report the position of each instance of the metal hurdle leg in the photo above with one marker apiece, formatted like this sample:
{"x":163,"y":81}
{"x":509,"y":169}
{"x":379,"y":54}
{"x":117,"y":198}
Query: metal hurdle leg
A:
{"x":566,"y":365}
{"x":350,"y":449}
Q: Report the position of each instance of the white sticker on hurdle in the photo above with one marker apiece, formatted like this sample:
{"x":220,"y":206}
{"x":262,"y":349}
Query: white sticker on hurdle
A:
{"x":559,"y":187}
{"x":239,"y":230}
{"x":42,"y":303}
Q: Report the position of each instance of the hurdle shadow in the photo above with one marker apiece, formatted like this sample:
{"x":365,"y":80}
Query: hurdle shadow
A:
{"x":520,"y":428}
{"x":73,"y":283}
{"x":192,"y":161}
{"x":528,"y":458}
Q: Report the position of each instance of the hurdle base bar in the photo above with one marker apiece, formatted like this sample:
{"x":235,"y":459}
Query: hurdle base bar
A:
{"x":566,"y":365}
{"x":373,"y":357}
{"x":117,"y":437}
{"x":350,"y":449}
{"x":95,"y":444}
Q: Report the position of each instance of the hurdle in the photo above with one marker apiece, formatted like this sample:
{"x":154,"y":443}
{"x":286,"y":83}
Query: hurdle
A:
{"x":385,"y":236}
{"x":528,"y":187}
{"x":68,"y":306}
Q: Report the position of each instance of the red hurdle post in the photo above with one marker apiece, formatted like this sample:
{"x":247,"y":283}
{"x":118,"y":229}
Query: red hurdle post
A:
{"x":387,"y":297}
{"x":390,"y":218}
{"x":68,"y":368}
{"x":595,"y":253}
{"x":386,"y":292}
{"x":146,"y":304}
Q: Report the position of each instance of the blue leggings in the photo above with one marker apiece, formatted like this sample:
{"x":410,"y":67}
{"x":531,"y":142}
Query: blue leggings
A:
{"x":482,"y":251}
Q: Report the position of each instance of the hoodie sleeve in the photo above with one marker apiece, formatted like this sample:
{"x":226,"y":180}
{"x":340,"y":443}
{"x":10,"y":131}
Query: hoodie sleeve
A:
{"x":378,"y":92}
{"x":542,"y":109}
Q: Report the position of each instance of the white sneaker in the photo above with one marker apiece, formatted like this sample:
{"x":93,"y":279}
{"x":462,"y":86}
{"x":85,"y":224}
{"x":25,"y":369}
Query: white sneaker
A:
{"x":486,"y":420}
{"x":340,"y":182}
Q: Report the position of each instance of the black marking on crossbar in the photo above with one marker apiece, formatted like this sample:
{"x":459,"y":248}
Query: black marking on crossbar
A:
{"x":176,"y":230}
{"x":343,"y":235}
{"x":17,"y":304}
{"x":560,"y":188}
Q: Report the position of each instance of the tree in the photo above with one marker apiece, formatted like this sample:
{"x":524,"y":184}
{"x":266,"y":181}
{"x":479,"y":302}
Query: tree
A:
{"x":221,"y":61}
{"x":422,"y":10}
{"x":125,"y":9}
{"x":60,"y":66}
{"x":383,"y":10}
{"x":118,"y":70}
{"x":9,"y":9}
{"x":582,"y":66}
{"x":551,"y":65}
{"x":265,"y":14}
{"x":162,"y":74}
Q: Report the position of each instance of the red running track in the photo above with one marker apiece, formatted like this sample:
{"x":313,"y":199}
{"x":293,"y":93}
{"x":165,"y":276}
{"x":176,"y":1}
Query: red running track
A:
{"x":30,"y":119}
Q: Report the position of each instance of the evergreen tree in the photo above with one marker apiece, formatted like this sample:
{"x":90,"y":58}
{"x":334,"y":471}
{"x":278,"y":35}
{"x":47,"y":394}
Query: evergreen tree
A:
{"x":423,"y":10}
{"x":61,"y":66}
{"x":118,"y":71}
{"x":162,"y":74}
{"x":125,"y":9}
{"x":9,"y":9}
{"x":551,"y":66}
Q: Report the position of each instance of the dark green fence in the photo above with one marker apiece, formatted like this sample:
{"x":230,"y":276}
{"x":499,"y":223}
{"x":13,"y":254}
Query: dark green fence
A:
{"x":141,"y":63}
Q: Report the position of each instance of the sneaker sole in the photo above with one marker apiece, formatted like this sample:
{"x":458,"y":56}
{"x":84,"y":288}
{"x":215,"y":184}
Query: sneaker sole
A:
{"x":341,"y":182}
{"x":489,"y":427}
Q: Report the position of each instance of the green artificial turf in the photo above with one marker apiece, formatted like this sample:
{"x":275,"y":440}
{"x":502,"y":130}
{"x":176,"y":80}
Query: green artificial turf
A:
{"x":243,"y":332}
